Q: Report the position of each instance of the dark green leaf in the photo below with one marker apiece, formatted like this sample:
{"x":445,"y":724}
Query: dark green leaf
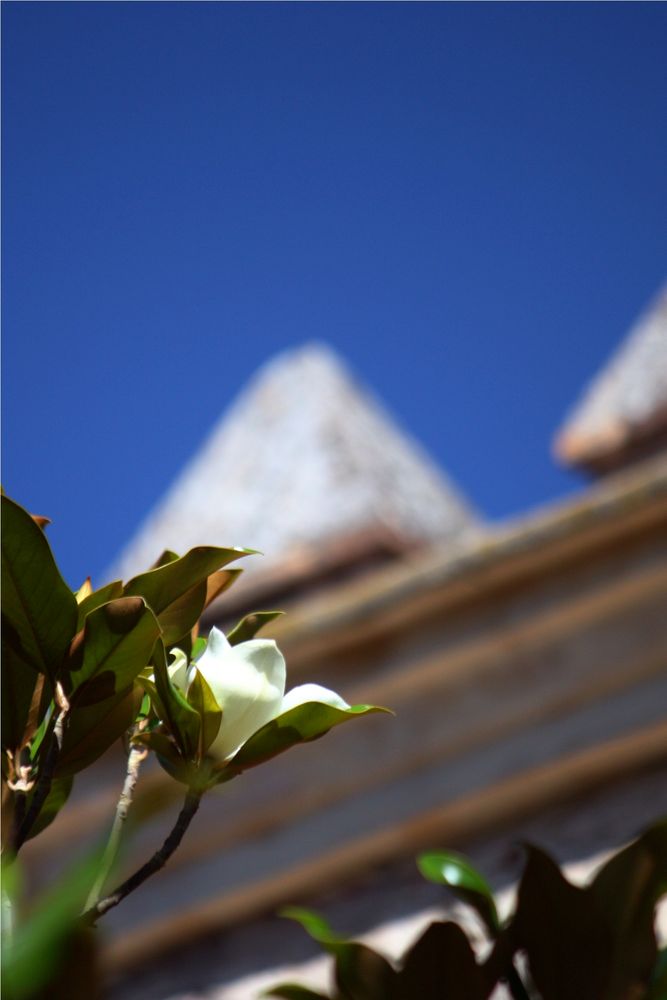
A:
{"x":219,"y":582}
{"x":97,"y":597}
{"x":658,"y":986}
{"x":20,"y":685}
{"x":168,"y":556}
{"x":559,"y":926}
{"x":176,"y":591}
{"x":626,"y":890}
{"x":168,"y":755}
{"x":203,"y":701}
{"x":300,"y":725}
{"x":39,"y":609}
{"x":291,"y":991}
{"x":55,"y":800}
{"x":457,"y":873}
{"x":361,"y":974}
{"x":115,"y":645}
{"x":94,"y":728}
{"x":249,"y":626}
{"x":180,"y":617}
{"x":441,"y":964}
{"x":179,"y":716}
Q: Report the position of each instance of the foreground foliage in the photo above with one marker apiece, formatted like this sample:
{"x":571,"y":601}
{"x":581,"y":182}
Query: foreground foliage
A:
{"x":82,"y":670}
{"x":591,"y":943}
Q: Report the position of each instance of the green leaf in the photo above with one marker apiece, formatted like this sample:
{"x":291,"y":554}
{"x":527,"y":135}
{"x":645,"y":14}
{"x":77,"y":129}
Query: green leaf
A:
{"x":361,"y":974}
{"x":33,"y":956}
{"x":249,"y":626}
{"x":203,"y":701}
{"x":300,"y":725}
{"x":55,"y":800}
{"x":98,"y":597}
{"x":198,"y":647}
{"x":176,"y":591}
{"x":168,"y":756}
{"x":442,"y":964}
{"x":457,"y":873}
{"x":626,"y":890}
{"x":39,"y":609}
{"x":115,"y":645}
{"x":558,"y":925}
{"x":176,"y":713}
{"x":315,"y":925}
{"x":93,"y":729}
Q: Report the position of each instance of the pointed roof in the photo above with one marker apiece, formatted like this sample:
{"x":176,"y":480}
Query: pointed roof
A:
{"x":623,"y":413}
{"x":307,"y":465}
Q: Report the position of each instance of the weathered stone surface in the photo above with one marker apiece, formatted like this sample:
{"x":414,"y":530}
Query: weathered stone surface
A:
{"x":304,"y":457}
{"x":623,"y":413}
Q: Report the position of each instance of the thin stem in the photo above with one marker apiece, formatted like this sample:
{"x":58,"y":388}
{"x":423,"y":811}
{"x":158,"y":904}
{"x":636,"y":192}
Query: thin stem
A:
{"x":153,"y":865}
{"x":134,"y":760}
{"x":45,"y":780}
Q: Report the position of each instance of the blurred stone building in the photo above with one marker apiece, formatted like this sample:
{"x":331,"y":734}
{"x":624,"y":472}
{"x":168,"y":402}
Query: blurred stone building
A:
{"x":526,"y":663}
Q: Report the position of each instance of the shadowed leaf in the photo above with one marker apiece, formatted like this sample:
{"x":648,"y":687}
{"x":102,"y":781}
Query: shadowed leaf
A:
{"x":96,"y":598}
{"x":94,"y":728}
{"x":442,"y":964}
{"x":176,"y":590}
{"x":249,"y":626}
{"x":39,"y":610}
{"x":115,"y":645}
{"x":20,"y":687}
{"x":203,"y":701}
{"x":55,"y":800}
{"x":291,"y":991}
{"x":559,"y":927}
{"x":175,"y":712}
{"x":626,"y":890}
{"x":219,"y":582}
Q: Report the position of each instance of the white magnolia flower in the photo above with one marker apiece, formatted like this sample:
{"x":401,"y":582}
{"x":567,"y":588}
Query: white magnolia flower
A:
{"x":248,"y":683}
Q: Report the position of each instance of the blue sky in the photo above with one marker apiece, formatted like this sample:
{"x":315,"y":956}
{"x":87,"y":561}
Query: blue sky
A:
{"x":466,"y":200}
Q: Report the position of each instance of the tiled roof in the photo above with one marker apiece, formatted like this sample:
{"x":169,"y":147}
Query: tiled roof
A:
{"x":304,"y":457}
{"x":626,"y":404}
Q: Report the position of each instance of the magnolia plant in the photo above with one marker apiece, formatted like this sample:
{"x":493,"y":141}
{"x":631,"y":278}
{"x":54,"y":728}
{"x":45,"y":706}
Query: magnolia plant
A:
{"x":560,"y":942}
{"x":82,"y":670}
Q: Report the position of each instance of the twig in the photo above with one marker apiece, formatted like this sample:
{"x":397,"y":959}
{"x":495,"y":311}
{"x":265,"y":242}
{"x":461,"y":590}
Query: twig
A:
{"x":134,"y":760}
{"x":158,"y":861}
{"x":43,"y":786}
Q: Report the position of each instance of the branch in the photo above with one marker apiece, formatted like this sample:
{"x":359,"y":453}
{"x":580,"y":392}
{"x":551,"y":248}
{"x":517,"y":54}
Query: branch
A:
{"x":45,"y":780}
{"x":158,"y":861}
{"x":134,"y":761}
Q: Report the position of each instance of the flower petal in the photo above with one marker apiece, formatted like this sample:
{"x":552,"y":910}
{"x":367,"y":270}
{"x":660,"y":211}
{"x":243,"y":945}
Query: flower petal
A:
{"x":248,"y":682}
{"x":178,"y":669}
{"x":311,"y":692}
